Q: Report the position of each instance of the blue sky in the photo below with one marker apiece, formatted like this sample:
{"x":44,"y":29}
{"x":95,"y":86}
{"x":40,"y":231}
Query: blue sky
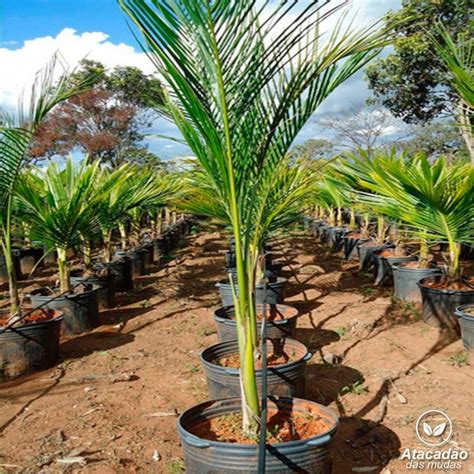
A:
{"x":32,"y":30}
{"x":26,"y":19}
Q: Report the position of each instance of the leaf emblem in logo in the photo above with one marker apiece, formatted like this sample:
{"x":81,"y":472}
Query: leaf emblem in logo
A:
{"x":436,"y":431}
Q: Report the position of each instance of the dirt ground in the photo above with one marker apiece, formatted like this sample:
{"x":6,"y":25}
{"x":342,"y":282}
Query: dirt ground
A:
{"x":110,"y":404}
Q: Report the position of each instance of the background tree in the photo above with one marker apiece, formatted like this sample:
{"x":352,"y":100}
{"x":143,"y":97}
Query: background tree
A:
{"x":435,"y":139}
{"x":107,"y":122}
{"x":412,"y":81}
{"x":314,"y":149}
{"x":363,"y":128}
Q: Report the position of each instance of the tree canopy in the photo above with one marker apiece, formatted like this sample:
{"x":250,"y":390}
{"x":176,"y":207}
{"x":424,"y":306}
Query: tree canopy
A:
{"x":108,"y":122}
{"x":412,"y":81}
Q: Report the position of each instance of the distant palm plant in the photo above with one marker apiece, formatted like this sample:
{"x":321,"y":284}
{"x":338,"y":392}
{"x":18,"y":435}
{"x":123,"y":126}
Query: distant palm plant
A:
{"x":62,"y":207}
{"x":16,"y":133}
{"x":434,"y":200}
{"x":128,"y":191}
{"x":242,"y":79}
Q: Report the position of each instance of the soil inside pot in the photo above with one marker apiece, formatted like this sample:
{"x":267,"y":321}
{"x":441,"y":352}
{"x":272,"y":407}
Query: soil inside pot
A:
{"x":469,"y":311}
{"x":372,"y":243}
{"x":445,"y":284}
{"x":37,"y":316}
{"x":282,"y":426}
{"x":392,"y":253}
{"x":354,"y":235}
{"x":232,"y":361}
{"x":414,"y":264}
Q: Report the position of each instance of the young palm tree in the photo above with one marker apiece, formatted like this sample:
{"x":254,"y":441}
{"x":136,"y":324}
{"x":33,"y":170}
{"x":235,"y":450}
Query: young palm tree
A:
{"x":435,"y":200}
{"x":15,"y":137}
{"x":129,"y":188}
{"x":241,"y":84}
{"x":62,"y":207}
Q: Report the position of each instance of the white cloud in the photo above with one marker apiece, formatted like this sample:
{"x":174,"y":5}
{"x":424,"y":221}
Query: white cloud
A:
{"x":22,"y":63}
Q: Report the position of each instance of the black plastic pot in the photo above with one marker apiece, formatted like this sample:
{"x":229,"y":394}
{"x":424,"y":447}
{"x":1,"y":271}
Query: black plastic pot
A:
{"x":147,"y":255}
{"x":272,"y":272}
{"x":383,"y":266}
{"x":281,"y":322}
{"x":287,"y":380}
{"x":157,"y":250}
{"x":466,"y":322}
{"x":334,"y":236}
{"x":350,"y":244}
{"x":315,"y":227}
{"x":274,"y":294}
{"x":405,"y":281}
{"x":29,"y":348}
{"x":16,"y":265}
{"x":366,"y":254}
{"x":439,"y":305}
{"x":105,"y":284}
{"x":80,"y":311}
{"x":138,"y":262}
{"x":311,"y":456}
{"x":324,"y":232}
{"x":122,"y":268}
{"x":28,"y":259}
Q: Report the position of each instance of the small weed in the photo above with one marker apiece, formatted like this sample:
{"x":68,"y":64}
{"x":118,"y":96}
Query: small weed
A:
{"x":367,"y":290}
{"x":341,"y":331}
{"x":176,"y":466}
{"x":206,"y":331}
{"x":146,"y":304}
{"x":408,"y":419}
{"x":412,"y":309}
{"x":357,"y":388}
{"x":193,"y":368}
{"x":458,"y":359}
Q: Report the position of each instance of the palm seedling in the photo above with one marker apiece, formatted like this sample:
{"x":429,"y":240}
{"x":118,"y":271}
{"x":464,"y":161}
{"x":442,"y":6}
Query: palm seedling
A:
{"x":16,"y":134}
{"x":61,"y":205}
{"x":241,"y":83}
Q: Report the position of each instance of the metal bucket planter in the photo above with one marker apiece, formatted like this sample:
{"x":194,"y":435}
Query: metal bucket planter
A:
{"x":281,"y":322}
{"x":286,"y":380}
{"x":202,"y":456}
{"x":465,"y":314}
{"x":315,"y":227}
{"x":80,"y":311}
{"x":334,"y":237}
{"x":439,"y":305}
{"x":383,"y":266}
{"x":274,"y":292}
{"x":28,"y":348}
{"x":405,"y":281}
{"x":324,"y":231}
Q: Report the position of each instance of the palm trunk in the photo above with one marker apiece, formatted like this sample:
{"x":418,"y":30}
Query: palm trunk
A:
{"x":63,"y":267}
{"x":352,"y":221}
{"x":454,"y":253}
{"x":87,"y":254}
{"x":6,"y":244}
{"x":466,"y":128}
{"x":380,"y":229}
{"x":123,"y":236}
{"x":107,"y":237}
{"x":12,"y":283}
{"x":159,"y":223}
